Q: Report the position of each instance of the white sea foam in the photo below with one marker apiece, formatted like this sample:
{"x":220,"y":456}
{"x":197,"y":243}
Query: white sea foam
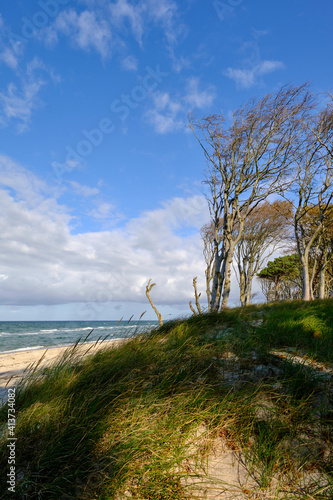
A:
{"x":78,"y":329}
{"x":25,"y":333}
{"x":22,"y":349}
{"x":35,"y":347}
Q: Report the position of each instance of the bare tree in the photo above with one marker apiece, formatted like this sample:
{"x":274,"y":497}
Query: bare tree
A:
{"x":245,"y":164}
{"x":321,"y":252}
{"x":326,"y":255}
{"x":313,"y":188}
{"x":207,"y":234}
{"x":148,"y":290}
{"x":267,"y":228}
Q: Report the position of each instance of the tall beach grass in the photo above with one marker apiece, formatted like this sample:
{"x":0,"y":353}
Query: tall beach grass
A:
{"x":142,"y":421}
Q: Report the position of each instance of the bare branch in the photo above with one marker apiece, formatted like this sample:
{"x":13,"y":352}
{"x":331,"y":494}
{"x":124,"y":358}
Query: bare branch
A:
{"x":148,"y":290}
{"x":192,"y":309}
{"x":196,"y":295}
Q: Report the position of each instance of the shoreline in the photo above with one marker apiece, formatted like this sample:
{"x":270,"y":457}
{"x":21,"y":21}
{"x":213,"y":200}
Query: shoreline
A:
{"x":58,"y":346}
{"x":14,"y":363}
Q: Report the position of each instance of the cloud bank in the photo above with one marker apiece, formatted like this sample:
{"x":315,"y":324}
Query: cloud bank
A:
{"x":43,"y":263}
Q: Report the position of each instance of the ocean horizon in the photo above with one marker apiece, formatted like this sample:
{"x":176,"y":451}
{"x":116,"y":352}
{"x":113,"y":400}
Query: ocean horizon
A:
{"x":18,"y":336}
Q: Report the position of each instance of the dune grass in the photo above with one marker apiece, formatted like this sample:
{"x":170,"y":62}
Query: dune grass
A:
{"x":141,"y":420}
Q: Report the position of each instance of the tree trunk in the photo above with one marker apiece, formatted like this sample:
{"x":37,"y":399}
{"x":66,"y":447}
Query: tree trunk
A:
{"x":227,"y":281}
{"x":248,"y":282}
{"x":242,"y":293}
{"x":248,"y":295}
{"x":218,"y":281}
{"x":277,"y":283}
{"x":307,"y":295}
{"x":322,"y":287}
{"x":208,"y":293}
{"x":216,"y":288}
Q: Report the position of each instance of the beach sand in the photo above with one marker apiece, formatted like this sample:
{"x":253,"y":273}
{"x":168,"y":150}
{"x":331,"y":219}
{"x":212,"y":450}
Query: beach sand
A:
{"x":13,"y":364}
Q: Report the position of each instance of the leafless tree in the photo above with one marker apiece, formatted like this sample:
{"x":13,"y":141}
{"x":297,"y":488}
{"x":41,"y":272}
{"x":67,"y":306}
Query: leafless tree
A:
{"x":321,"y":252}
{"x":207,"y":234}
{"x":267,"y":229}
{"x":313,"y":190}
{"x":245,"y":163}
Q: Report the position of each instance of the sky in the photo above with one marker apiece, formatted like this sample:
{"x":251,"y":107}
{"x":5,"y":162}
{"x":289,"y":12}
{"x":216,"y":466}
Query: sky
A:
{"x":101,"y":179}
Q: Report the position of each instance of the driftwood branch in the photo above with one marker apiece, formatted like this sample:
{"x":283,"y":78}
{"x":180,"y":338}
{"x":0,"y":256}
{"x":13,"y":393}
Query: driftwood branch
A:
{"x":192,"y":309}
{"x":148,"y":290}
{"x":196,"y":295}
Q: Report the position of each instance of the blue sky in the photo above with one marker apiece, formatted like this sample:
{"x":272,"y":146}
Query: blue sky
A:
{"x":100,"y":178}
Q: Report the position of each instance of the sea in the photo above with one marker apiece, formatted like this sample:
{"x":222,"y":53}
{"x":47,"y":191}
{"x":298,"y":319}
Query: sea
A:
{"x":16,"y":336}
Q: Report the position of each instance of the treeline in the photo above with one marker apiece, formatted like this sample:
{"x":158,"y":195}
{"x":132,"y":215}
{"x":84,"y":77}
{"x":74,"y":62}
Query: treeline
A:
{"x":280,"y":146}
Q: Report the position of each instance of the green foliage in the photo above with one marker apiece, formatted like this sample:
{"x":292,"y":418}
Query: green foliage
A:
{"x":281,"y":279}
{"x":288,"y":266}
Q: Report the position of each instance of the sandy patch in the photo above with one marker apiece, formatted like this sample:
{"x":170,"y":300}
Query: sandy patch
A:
{"x":14,"y":364}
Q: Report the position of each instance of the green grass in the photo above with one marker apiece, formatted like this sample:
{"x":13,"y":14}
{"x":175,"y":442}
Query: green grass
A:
{"x":305,"y":326}
{"x":124,"y":422}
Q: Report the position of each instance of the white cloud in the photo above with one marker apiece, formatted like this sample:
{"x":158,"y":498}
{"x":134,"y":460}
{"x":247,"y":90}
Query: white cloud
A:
{"x":46,"y":264}
{"x":47,"y":35}
{"x":139,"y":17}
{"x":85,"y":30}
{"x":165,"y":12}
{"x":130,"y":63}
{"x":199,"y":98}
{"x":102,"y":26}
{"x":18,"y":102}
{"x":252,"y":67}
{"x":164,"y":116}
{"x":83,"y":190}
{"x":123,"y":11}
{"x":37,"y":65}
{"x":266,"y":67}
{"x":169,"y":114}
{"x":26,"y":186}
{"x":9,"y":54}
{"x":246,"y":78}
{"x":103,"y":211}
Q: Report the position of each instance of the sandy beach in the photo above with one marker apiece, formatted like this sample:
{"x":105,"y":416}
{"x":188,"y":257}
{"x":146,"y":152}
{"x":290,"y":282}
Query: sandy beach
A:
{"x":13,"y":364}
